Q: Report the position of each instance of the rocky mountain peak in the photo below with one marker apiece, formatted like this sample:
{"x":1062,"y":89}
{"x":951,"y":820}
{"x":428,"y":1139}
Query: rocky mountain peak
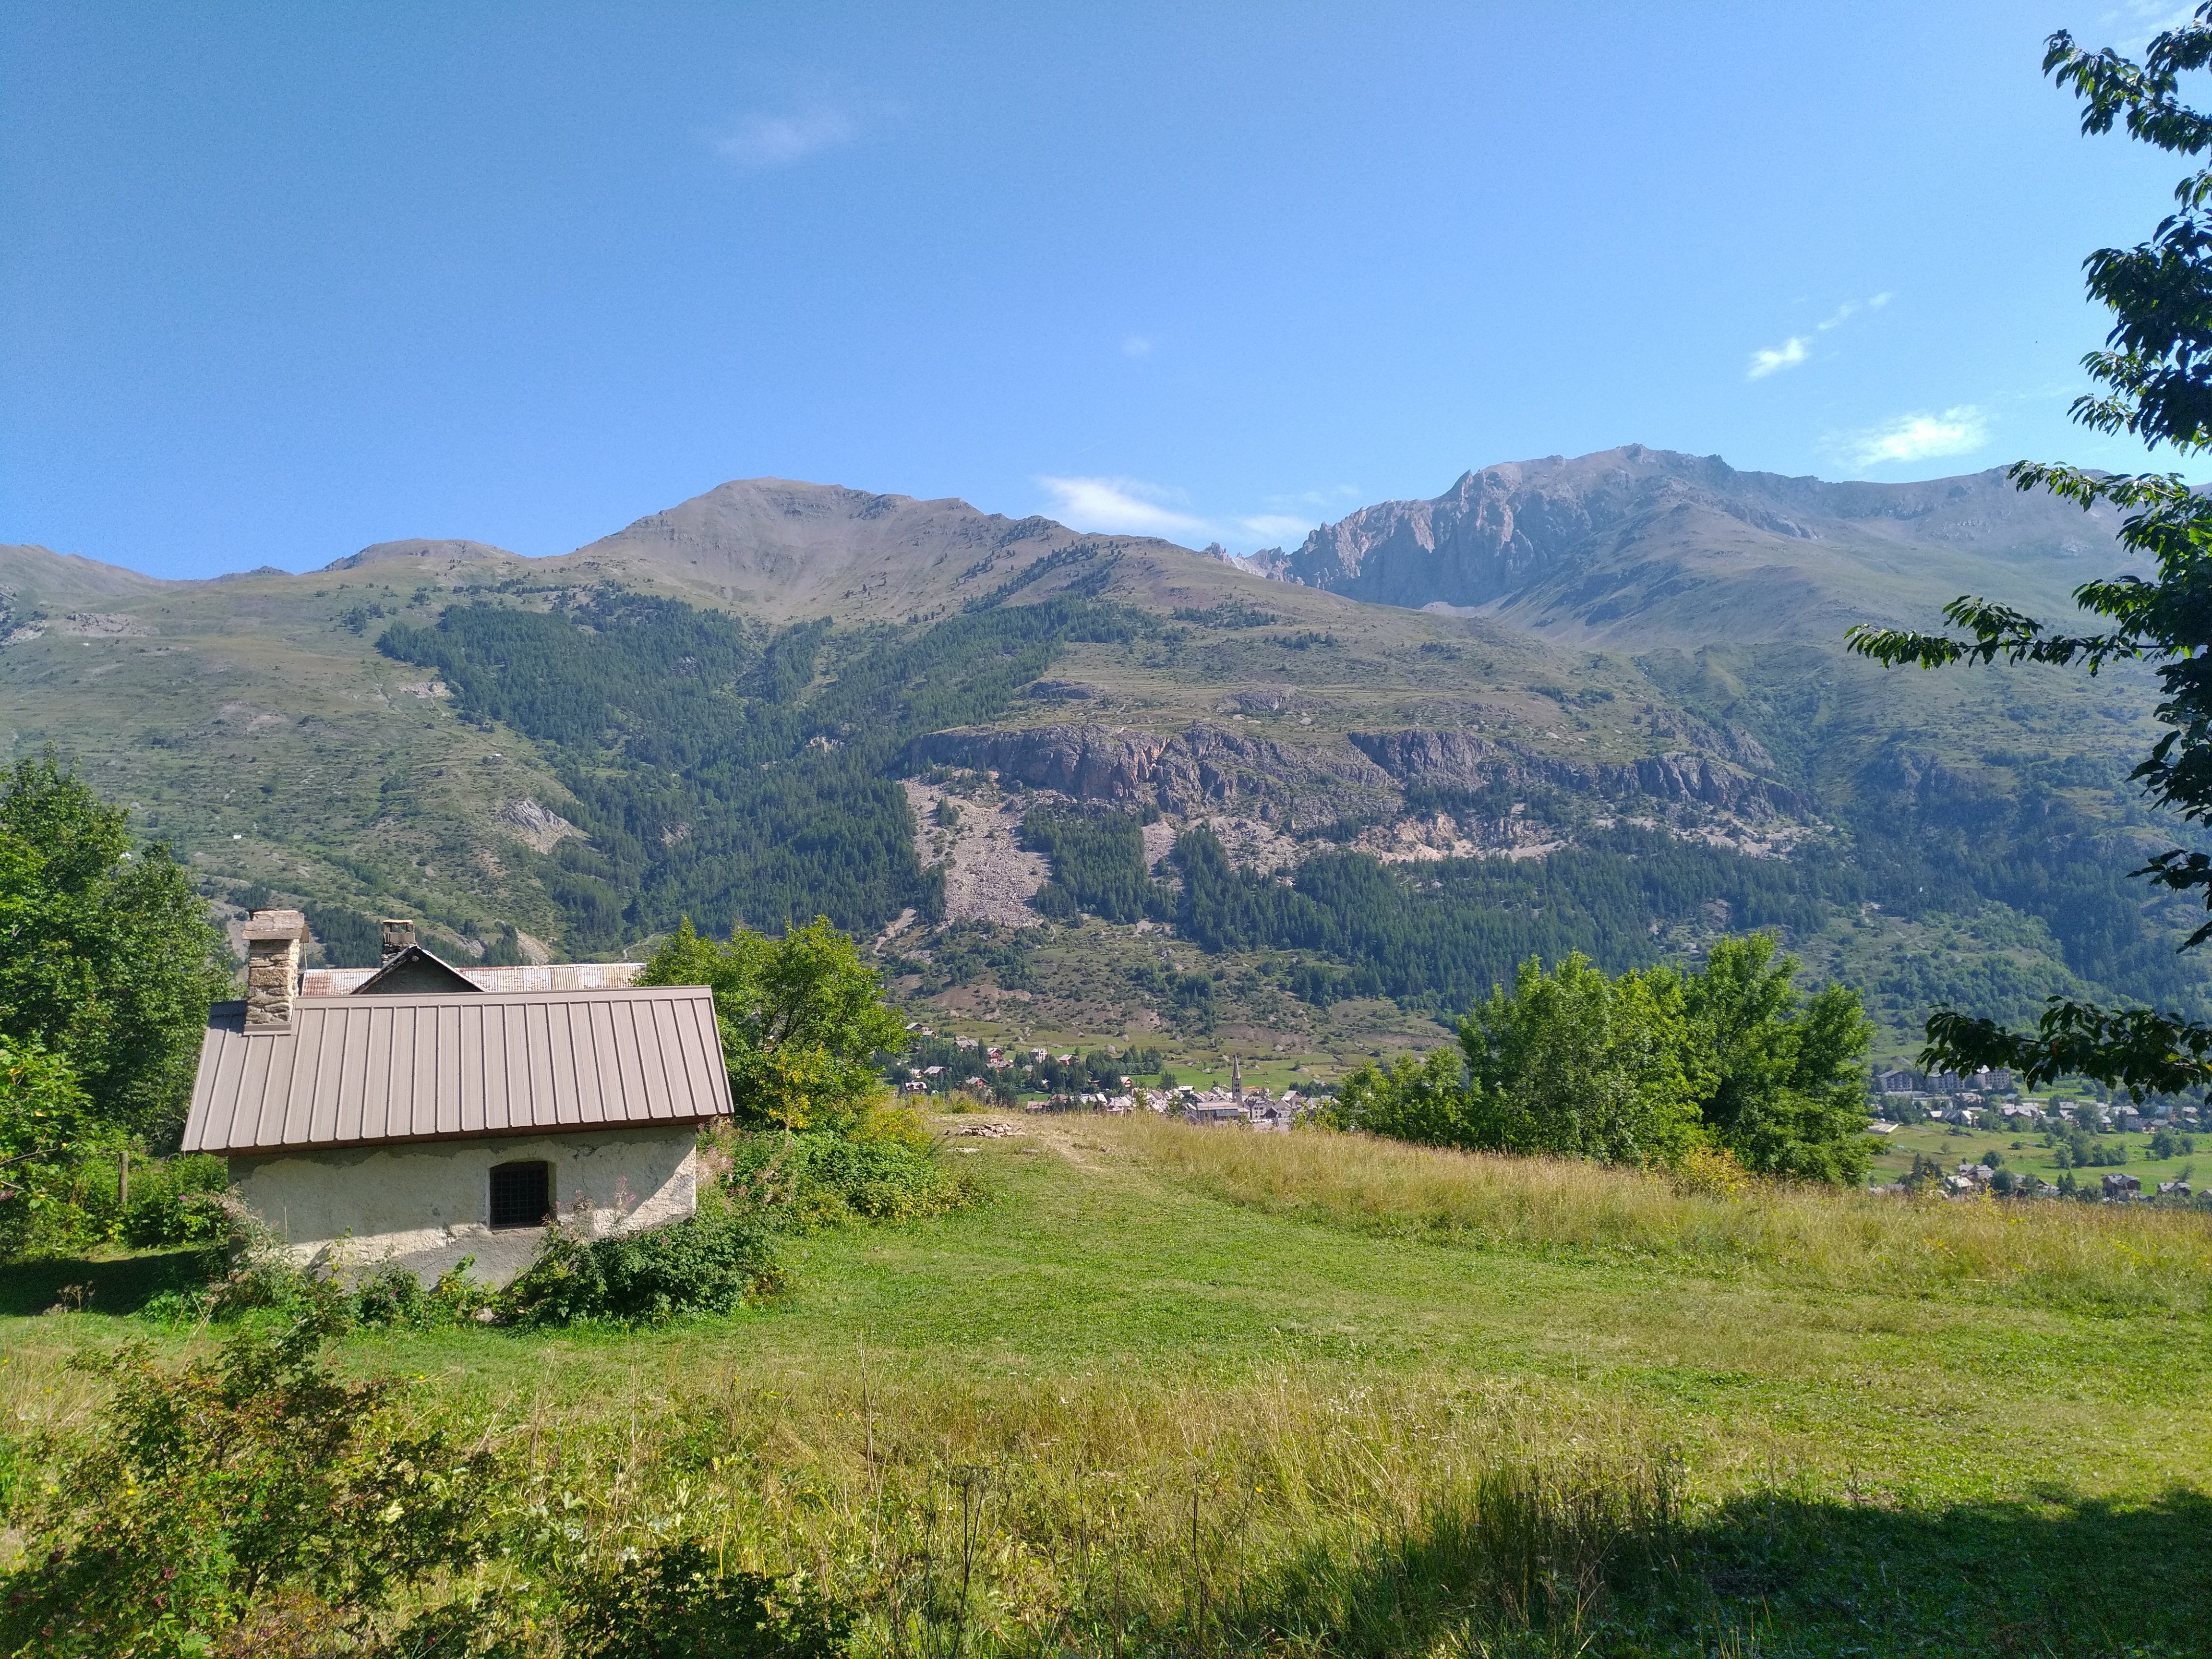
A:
{"x":1603,"y":537}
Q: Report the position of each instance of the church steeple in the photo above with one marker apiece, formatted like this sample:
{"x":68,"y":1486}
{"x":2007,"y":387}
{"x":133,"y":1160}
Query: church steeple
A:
{"x":1237,"y":1079}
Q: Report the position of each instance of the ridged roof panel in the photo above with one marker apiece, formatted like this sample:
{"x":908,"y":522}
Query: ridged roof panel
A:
{"x":357,"y":1071}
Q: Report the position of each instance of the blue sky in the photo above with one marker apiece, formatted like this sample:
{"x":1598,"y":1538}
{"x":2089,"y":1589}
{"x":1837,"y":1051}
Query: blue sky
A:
{"x":281,"y":281}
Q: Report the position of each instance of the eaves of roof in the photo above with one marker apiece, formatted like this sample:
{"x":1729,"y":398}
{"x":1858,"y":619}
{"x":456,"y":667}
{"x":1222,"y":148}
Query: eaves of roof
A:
{"x":362,"y":1071}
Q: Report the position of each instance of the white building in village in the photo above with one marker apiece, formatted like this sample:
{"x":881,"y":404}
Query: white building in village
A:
{"x":419,"y":1113}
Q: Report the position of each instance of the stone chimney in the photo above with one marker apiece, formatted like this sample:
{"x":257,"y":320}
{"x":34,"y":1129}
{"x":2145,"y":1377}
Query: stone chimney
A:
{"x":273,"y":940}
{"x":398,"y":936}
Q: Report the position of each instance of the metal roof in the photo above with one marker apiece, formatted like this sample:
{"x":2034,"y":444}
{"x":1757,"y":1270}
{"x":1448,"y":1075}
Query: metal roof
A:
{"x":356,"y":1071}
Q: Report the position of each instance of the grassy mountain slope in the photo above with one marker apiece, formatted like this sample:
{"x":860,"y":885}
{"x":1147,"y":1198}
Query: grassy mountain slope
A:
{"x":251,"y":722}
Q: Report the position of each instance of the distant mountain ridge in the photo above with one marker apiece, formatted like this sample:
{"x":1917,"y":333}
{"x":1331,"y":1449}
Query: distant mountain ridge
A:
{"x":1635,"y":545}
{"x":1631,"y":542}
{"x":442,"y":552}
{"x":786,"y":549}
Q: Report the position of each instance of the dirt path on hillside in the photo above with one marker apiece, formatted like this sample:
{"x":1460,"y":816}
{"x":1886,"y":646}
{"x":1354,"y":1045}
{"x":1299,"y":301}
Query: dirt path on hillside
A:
{"x":1072,"y":1137}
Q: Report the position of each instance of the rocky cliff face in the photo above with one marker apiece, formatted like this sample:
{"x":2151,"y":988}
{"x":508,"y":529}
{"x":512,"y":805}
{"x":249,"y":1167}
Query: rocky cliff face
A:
{"x":1212,"y":769}
{"x":1206,"y":768}
{"x":1501,"y":531}
{"x":1460,"y":760}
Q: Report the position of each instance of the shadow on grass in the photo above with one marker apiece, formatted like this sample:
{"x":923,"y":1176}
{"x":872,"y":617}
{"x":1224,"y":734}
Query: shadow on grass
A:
{"x":120,"y":1285}
{"x":2067,"y":1576}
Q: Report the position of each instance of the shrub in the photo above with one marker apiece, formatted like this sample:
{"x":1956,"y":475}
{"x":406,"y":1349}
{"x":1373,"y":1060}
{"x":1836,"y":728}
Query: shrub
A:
{"x":214,"y":1494}
{"x":802,"y":1019}
{"x":708,"y":1263}
{"x":391,"y":1295}
{"x":174,"y":1202}
{"x":250,"y":1270}
{"x":798,"y":1182}
{"x":47,"y":1129}
{"x":1641,"y":1069}
{"x":60,"y":1186}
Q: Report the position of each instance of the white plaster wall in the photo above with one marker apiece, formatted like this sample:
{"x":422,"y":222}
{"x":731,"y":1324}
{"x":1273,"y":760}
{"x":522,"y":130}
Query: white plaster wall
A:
{"x":425,"y":1204}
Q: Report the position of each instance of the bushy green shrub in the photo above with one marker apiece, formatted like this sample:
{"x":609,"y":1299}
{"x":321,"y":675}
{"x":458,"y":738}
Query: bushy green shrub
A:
{"x":803,"y":1022}
{"x":254,"y":1502}
{"x":249,"y":1270}
{"x":390,"y":1294}
{"x":226,"y":1489}
{"x":713,"y":1262}
{"x":798,"y":1182}
{"x":173,"y":1201}
{"x":48,"y":1131}
{"x":1642,"y":1069}
{"x":61,"y":1175}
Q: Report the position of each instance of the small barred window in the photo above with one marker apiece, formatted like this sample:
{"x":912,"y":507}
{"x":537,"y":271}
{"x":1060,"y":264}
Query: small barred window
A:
{"x":521,"y":1194}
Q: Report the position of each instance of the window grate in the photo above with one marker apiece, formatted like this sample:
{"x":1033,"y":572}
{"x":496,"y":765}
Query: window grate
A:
{"x":521,"y":1194}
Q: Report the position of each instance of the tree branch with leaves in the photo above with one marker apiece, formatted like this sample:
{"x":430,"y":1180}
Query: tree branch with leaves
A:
{"x":2156,"y":371}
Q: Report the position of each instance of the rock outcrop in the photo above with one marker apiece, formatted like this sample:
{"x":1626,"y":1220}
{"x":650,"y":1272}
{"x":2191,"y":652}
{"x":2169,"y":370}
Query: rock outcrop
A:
{"x":1214,"y":768}
{"x":1208,"y":768}
{"x":1460,"y":760}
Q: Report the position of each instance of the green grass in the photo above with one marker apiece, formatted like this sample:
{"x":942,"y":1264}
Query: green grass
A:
{"x":1364,"y":1416}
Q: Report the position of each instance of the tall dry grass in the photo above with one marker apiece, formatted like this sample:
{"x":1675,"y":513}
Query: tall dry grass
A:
{"x":983,"y":1516}
{"x":1281,"y":1516}
{"x":2130,"y":1258}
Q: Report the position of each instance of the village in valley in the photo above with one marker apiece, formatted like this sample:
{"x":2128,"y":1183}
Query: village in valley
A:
{"x":2084,"y":1143}
{"x":1004,"y":1072}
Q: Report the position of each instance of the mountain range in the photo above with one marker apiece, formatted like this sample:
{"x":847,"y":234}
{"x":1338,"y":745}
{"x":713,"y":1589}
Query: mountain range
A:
{"x":756,"y":703}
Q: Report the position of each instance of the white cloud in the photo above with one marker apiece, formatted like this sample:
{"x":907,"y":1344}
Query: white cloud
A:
{"x":1790,"y":353}
{"x":1127,"y":505}
{"x":1136,"y":346}
{"x":760,"y":142}
{"x":2144,"y":18}
{"x":1920,"y":437}
{"x":1276,"y":527}
{"x":1797,"y":348}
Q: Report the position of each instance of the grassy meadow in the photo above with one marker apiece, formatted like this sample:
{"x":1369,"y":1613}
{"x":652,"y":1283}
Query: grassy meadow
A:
{"x":1192,"y":1391}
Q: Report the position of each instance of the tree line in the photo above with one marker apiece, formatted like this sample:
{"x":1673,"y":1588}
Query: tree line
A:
{"x":109,"y":965}
{"x":1434,"y":935}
